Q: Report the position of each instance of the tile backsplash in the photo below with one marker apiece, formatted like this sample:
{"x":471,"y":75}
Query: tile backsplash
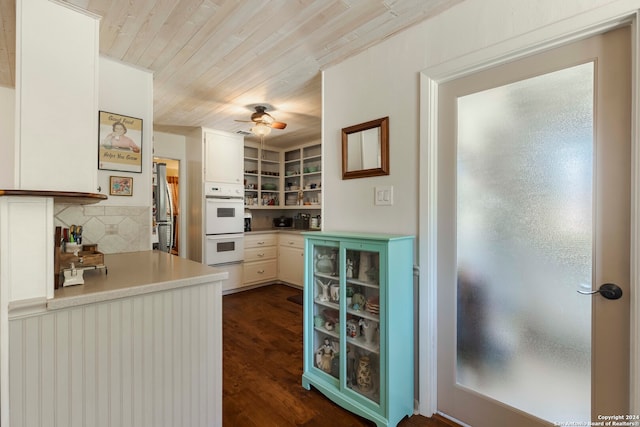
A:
{"x":115,"y":229}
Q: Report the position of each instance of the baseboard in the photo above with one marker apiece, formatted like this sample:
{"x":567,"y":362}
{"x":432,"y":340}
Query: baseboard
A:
{"x":444,"y":420}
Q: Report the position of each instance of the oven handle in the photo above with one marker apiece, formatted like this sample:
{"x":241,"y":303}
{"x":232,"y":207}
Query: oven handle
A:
{"x":224,"y":197}
{"x":224,"y":236}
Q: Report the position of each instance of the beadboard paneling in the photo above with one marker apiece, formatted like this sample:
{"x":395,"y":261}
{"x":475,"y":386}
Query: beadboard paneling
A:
{"x":153,"y":360}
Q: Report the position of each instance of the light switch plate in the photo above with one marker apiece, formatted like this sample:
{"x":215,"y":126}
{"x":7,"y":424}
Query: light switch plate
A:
{"x":384,"y":195}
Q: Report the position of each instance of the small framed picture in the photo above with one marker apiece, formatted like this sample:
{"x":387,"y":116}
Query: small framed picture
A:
{"x":120,"y":186}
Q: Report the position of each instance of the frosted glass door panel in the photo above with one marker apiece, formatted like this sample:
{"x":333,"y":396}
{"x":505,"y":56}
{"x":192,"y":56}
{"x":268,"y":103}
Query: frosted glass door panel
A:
{"x":524,"y":243}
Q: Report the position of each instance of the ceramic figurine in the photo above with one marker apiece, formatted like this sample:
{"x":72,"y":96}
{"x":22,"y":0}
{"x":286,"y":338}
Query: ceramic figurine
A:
{"x":353,"y":330}
{"x":335,"y":292}
{"x":324,"y":264}
{"x":325,"y":290}
{"x":324,"y":356}
{"x":349,"y":269}
{"x":349,"y":292}
{"x":368,"y":329}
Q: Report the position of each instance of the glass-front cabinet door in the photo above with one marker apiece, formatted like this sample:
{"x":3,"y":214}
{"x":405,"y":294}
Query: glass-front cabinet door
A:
{"x":362,"y":316}
{"x":346,"y":316}
{"x":326,"y":309}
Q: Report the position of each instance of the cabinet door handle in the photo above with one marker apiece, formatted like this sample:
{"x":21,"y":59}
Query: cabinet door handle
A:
{"x":260,"y":271}
{"x":261,"y":243}
{"x":260,"y":255}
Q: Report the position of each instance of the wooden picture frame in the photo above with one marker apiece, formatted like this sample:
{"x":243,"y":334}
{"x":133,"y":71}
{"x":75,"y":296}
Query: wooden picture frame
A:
{"x":365,"y":149}
{"x":120,"y":186}
{"x":119,"y":142}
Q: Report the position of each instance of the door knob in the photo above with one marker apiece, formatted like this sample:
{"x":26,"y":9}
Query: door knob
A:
{"x":607,"y":290}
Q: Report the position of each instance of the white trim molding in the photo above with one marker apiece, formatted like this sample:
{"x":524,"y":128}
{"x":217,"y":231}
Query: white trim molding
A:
{"x":634,"y":353}
{"x":581,"y":26}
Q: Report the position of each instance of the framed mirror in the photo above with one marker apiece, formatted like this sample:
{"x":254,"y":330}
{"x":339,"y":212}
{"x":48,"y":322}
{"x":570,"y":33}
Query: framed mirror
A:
{"x":365,"y":149}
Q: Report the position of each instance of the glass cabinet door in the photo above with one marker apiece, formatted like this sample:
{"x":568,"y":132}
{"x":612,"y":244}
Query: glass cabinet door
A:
{"x":362,"y":329}
{"x":346,"y":316}
{"x":326,"y":309}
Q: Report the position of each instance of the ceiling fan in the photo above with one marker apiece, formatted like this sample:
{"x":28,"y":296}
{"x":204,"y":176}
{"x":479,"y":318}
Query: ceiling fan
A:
{"x":264,"y":121}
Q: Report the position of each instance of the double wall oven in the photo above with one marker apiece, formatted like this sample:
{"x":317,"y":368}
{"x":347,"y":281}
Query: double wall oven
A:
{"x":224,"y":223}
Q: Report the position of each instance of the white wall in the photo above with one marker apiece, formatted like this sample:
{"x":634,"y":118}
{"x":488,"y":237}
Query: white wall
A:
{"x":354,"y":93}
{"x":126,"y":90}
{"x":169,"y":145}
{"x":7,"y":137}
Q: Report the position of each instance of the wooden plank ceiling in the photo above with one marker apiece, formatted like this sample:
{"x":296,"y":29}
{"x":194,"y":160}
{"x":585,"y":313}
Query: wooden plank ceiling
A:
{"x":214,"y":59}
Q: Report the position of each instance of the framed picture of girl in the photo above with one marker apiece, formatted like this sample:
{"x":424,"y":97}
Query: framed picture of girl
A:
{"x":119,"y":142}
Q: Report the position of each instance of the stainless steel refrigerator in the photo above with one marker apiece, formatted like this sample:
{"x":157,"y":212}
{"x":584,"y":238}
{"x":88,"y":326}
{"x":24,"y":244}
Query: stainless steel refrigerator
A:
{"x":163,"y":209}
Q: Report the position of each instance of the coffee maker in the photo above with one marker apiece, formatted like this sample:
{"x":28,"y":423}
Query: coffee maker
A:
{"x":247,"y":221}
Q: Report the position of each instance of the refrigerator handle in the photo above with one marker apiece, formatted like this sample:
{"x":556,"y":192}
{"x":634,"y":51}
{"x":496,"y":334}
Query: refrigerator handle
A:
{"x":170,"y":200}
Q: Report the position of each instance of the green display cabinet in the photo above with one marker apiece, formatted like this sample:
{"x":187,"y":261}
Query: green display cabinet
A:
{"x":358,"y":322}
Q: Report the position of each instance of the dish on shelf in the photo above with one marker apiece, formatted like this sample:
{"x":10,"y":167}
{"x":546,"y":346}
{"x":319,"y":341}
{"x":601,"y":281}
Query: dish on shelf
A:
{"x":331,"y":315}
{"x":269,"y":186}
{"x":373,"y":305}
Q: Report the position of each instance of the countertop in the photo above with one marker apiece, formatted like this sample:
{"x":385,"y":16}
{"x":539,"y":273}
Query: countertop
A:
{"x":135,"y":273}
{"x":289,"y":230}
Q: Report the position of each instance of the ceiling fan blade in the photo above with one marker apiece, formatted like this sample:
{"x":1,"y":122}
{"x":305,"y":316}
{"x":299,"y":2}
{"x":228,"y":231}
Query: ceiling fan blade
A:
{"x":278,"y":125}
{"x":243,"y":121}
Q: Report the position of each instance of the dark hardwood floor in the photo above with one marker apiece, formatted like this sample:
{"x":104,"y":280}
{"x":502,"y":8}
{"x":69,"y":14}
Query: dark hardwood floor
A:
{"x":262,"y":334}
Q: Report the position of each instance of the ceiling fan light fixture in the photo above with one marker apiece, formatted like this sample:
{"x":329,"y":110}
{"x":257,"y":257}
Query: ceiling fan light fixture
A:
{"x":266,"y":118}
{"x":261,"y":129}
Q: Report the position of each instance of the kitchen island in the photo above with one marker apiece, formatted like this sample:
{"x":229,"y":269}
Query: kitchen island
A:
{"x":138,"y":345}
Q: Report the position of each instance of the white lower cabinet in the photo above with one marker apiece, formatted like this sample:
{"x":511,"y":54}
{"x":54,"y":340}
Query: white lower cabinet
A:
{"x":270,"y":257}
{"x":291,"y":259}
{"x":260,"y":258}
{"x":260,"y":271}
{"x":235,"y":280}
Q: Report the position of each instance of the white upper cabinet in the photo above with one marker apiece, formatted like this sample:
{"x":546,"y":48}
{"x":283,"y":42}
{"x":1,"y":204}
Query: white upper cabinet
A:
{"x":223,"y":157}
{"x":56,"y":97}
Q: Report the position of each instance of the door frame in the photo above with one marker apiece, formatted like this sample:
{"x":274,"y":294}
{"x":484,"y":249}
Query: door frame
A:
{"x":182,"y":189}
{"x":579,"y":27}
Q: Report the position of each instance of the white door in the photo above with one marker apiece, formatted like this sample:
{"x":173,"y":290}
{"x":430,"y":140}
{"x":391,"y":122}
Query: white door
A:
{"x":534,"y":206}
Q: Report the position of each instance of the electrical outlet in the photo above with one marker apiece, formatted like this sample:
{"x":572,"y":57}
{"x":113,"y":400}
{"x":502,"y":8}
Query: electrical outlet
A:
{"x":384,"y":195}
